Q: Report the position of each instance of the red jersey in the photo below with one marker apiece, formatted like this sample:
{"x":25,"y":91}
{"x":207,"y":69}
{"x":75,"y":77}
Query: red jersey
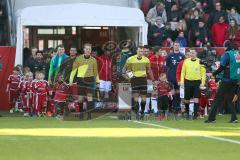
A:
{"x":179,"y":70}
{"x":41,"y":86}
{"x":21,"y":87}
{"x":150,"y":55}
{"x":33,"y":83}
{"x":164,"y":88}
{"x":157,"y":65}
{"x":28,"y":86}
{"x":61,"y":91}
{"x":213,"y":86}
{"x":104,"y":67}
{"x":13,"y":81}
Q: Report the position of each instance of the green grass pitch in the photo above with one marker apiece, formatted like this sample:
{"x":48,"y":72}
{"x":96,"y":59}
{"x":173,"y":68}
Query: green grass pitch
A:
{"x":112,"y":139}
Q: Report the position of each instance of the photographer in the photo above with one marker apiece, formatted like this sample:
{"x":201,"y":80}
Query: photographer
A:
{"x":207,"y":57}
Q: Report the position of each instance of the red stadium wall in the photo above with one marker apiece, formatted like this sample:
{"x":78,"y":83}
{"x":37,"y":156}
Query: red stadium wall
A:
{"x":7,"y":59}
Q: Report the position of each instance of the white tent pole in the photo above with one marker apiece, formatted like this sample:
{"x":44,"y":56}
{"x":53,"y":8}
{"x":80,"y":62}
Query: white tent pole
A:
{"x":19,"y":47}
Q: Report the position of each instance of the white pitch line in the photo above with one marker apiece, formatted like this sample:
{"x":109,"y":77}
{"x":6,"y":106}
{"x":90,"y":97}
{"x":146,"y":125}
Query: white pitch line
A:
{"x":189,"y":132}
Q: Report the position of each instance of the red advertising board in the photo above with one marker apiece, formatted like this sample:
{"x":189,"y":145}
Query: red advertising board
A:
{"x":7,"y":60}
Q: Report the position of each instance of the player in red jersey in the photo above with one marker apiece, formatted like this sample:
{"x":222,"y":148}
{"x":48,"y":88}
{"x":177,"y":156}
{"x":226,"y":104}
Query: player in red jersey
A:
{"x":60,"y":98}
{"x":42,"y":88}
{"x":33,"y":93}
{"x":158,"y":62}
{"x":23,"y":100}
{"x":165,"y":93}
{"x":28,"y":93}
{"x":12,"y":89}
{"x":207,"y":96}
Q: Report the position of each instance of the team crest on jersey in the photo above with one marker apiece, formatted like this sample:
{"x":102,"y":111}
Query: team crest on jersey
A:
{"x":197,"y":69}
{"x":237,"y":57}
{"x":63,"y":87}
{"x":174,"y":62}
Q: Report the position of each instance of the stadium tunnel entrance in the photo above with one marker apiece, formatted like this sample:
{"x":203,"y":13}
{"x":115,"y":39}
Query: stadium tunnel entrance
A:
{"x":44,"y":37}
{"x":68,"y":24}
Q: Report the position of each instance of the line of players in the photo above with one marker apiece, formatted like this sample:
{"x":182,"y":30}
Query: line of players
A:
{"x":32,"y":95}
{"x":164,"y":83}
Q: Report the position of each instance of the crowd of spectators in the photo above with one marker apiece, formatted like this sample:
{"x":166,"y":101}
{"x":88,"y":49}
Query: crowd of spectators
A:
{"x":193,"y":23}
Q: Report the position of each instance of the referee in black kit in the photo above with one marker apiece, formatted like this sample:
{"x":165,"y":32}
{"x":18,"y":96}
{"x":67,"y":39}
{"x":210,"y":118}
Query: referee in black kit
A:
{"x":230,"y":66}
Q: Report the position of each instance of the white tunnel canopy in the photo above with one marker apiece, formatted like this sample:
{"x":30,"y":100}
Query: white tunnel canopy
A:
{"x":80,"y":14}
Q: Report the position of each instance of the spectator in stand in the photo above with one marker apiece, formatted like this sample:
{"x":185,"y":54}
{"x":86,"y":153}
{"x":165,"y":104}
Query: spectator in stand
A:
{"x":30,"y":60}
{"x":215,"y":15}
{"x":233,"y":14}
{"x":208,"y":5}
{"x":169,"y":35}
{"x":230,"y":3}
{"x":187,"y":15}
{"x":155,"y":12}
{"x":182,"y":26}
{"x":145,"y":6}
{"x":181,"y":39}
{"x":168,"y":5}
{"x":199,"y":35}
{"x":175,"y":14}
{"x":219,"y":32}
{"x":234,"y":32}
{"x":186,"y":4}
{"x":194,"y":20}
{"x":199,"y":7}
{"x":157,"y":33}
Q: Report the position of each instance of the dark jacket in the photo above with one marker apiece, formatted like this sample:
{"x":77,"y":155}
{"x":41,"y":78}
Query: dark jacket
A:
{"x":202,"y":37}
{"x":214,"y":17}
{"x":156,"y":41}
{"x":66,"y":68}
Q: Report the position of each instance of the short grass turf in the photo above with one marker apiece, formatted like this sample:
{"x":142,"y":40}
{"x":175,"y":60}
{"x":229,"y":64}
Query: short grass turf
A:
{"x":166,"y":145}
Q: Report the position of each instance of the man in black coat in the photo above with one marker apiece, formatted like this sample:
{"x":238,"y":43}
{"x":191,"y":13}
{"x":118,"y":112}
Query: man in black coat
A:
{"x":66,"y":66}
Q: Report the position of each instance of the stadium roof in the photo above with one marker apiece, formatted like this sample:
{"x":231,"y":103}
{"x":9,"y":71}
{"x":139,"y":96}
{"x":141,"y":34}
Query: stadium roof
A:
{"x":80,"y":14}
